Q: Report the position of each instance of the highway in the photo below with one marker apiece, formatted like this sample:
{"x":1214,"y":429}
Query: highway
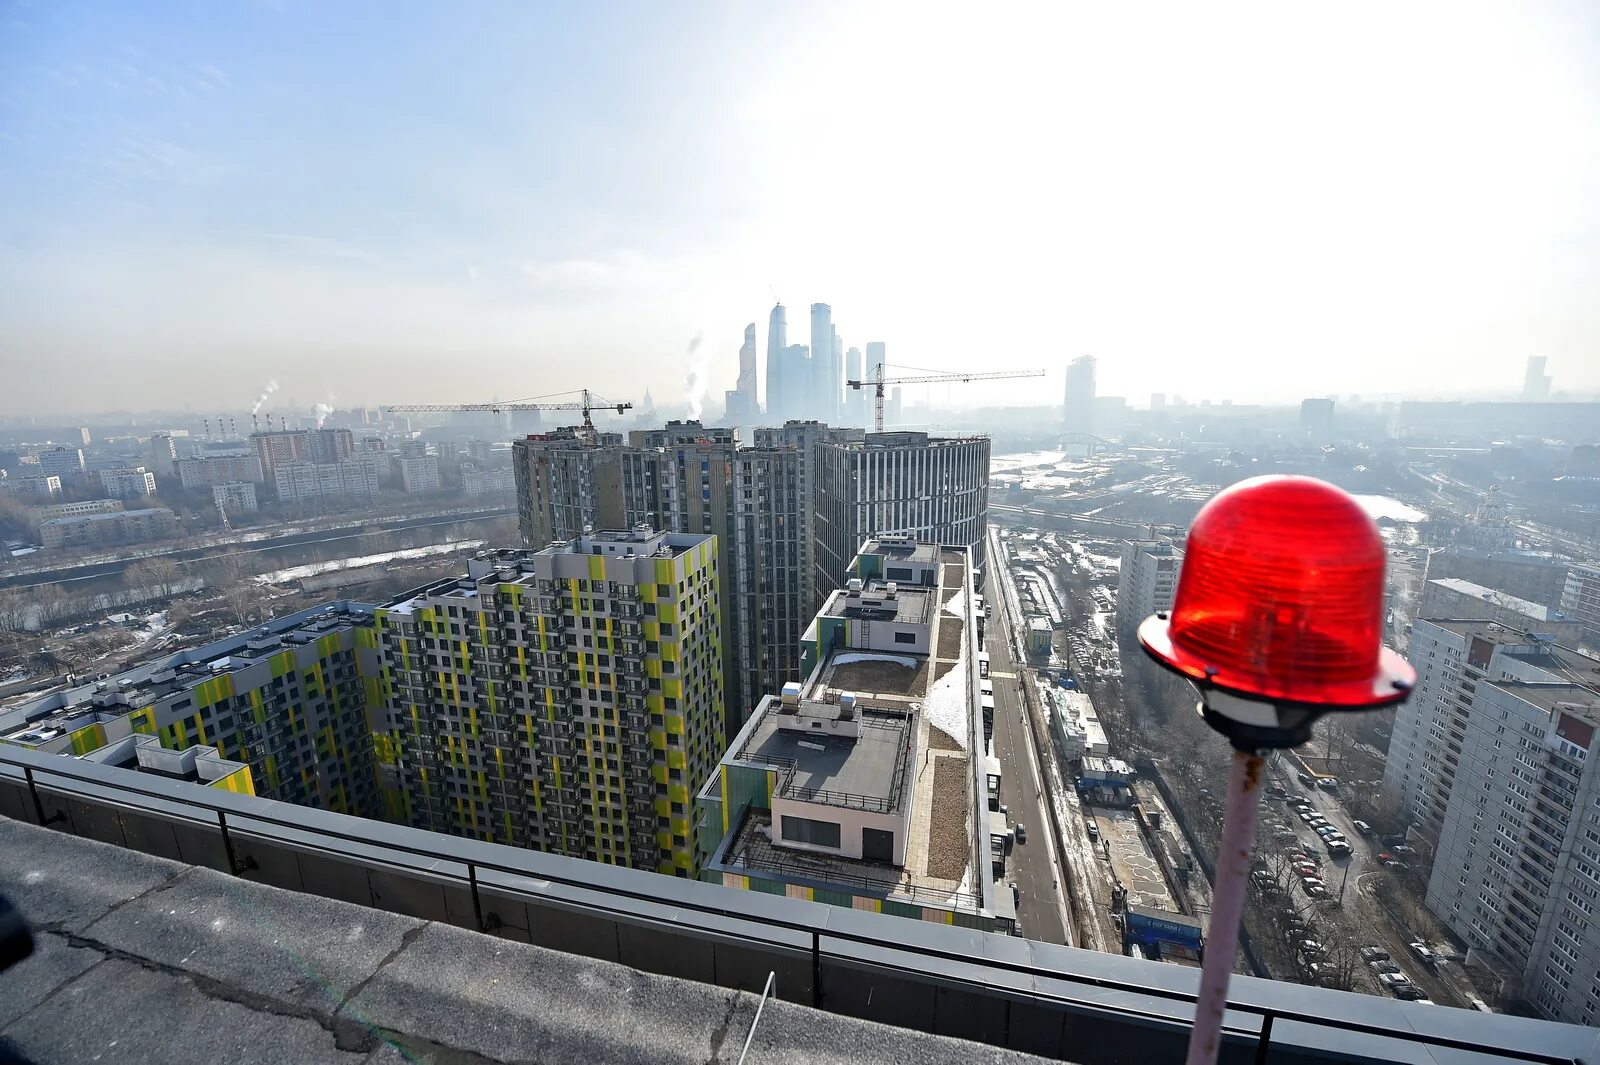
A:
{"x":1034,"y":866}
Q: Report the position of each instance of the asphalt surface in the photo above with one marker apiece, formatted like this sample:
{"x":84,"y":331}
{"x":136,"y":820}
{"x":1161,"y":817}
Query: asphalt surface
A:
{"x":1033,"y":867}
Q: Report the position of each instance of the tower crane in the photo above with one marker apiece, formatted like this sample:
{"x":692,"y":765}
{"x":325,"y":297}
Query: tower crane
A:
{"x":877,"y":381}
{"x":588,"y":402}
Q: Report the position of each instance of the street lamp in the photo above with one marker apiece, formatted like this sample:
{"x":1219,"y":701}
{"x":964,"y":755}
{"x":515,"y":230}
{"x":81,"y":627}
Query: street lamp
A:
{"x":1277,"y":620}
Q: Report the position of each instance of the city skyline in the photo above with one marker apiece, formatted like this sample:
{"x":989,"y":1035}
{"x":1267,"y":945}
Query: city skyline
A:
{"x":189,"y":196}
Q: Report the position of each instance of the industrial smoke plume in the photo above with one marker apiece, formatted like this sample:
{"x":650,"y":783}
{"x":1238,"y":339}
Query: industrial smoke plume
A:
{"x":266,"y":394}
{"x":694,"y":385}
{"x":322,"y":410}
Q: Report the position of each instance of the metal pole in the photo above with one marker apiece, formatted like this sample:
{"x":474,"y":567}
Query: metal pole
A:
{"x":1227,"y":905}
{"x":1344,"y":881}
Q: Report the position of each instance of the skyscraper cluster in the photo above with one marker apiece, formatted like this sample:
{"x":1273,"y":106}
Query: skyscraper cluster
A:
{"x":803,"y":381}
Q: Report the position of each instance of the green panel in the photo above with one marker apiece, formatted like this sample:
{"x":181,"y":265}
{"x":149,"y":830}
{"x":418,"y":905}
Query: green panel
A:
{"x":766,"y":887}
{"x":833,"y":898}
{"x":902,"y":909}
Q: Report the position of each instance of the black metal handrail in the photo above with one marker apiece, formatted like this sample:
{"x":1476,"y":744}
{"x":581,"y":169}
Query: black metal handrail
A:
{"x":1268,"y":1014}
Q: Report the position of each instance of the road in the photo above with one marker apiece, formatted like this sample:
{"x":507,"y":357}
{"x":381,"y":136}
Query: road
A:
{"x":1034,"y":867}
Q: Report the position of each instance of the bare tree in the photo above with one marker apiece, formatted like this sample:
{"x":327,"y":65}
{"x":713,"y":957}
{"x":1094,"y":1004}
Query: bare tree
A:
{"x":1340,"y":966}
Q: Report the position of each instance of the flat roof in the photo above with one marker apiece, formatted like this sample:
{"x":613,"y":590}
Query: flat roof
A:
{"x":1534,"y":610}
{"x":901,"y":549}
{"x":865,"y":771}
{"x":907,"y":605}
{"x":1571,"y":697}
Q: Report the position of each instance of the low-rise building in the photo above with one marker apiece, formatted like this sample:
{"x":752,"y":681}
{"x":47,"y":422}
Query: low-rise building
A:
{"x":121,"y":527}
{"x":128,"y":482}
{"x":865,"y":785}
{"x":73,"y":510}
{"x":1580,"y":600}
{"x":31,"y":487}
{"x":1076,"y":726}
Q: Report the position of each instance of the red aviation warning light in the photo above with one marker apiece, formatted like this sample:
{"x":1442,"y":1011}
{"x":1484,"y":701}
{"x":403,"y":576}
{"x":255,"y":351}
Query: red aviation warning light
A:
{"x":1280,"y":601}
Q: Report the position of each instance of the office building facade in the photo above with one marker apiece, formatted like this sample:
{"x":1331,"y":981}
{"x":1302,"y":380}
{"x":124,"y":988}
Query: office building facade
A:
{"x":567,"y":699}
{"x":934,"y":489}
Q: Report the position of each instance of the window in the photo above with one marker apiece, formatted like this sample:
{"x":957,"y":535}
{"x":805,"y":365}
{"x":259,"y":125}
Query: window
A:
{"x":814,"y":833}
{"x":905,"y":637}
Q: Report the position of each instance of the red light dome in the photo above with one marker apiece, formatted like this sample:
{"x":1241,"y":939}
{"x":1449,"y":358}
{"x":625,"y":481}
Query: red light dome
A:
{"x":1280,"y":599}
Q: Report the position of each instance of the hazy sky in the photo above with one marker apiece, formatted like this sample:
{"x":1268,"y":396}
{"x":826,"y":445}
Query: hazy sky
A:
{"x":398,"y":202}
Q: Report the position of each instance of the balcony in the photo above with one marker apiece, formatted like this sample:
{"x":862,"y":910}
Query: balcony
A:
{"x":439,"y":892}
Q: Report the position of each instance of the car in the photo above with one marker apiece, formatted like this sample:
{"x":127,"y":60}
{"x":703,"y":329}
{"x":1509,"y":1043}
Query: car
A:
{"x":1016,"y":894}
{"x":1327,"y":832}
{"x":1412,"y":993}
{"x":1317,"y":821}
{"x":1370,"y":953}
{"x":1384,"y":966}
{"x":1306,"y":816}
{"x":1401,"y":848}
{"x":1384,"y":858}
{"x":1022,"y":832}
{"x":1298,"y":856}
{"x":1307,"y":779}
{"x":1363,"y":828}
{"x":1311,"y":946}
{"x":1093,"y":827}
{"x":1393,"y":979}
{"x":1393,"y":841}
{"x":1304,"y":869}
{"x":1423,"y":951}
{"x":1319,"y":890}
{"x":1328,"y":783}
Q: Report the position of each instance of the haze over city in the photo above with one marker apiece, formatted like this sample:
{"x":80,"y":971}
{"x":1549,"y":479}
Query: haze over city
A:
{"x":451,"y":204}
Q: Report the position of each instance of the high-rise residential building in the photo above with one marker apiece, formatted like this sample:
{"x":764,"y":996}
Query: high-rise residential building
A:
{"x":1148,"y":580}
{"x":568,"y":484}
{"x":778,"y":384}
{"x":1316,"y":417}
{"x":797,"y":381}
{"x":162,"y":452}
{"x":235,"y":497}
{"x":1580,"y":600}
{"x":567,"y":699}
{"x":1077,"y":414}
{"x":219,"y":469}
{"x":828,"y":791}
{"x":302,"y":482}
{"x":934,"y":489}
{"x":499,"y":481}
{"x":419,"y":473}
{"x":822,"y":398}
{"x":321,"y":446}
{"x":1491,"y":758}
{"x":1535,"y":382}
{"x":60,"y":461}
{"x":290,"y":699}
{"x":128,"y":482}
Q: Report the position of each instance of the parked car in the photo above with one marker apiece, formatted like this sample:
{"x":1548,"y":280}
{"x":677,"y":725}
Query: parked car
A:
{"x":1393,"y":980}
{"x":1423,"y":951}
{"x":1319,"y":890}
{"x":1384,"y":858}
{"x":1307,"y":779}
{"x":1093,"y":827}
{"x":1370,"y":953}
{"x":1363,"y":828}
{"x":1384,"y":966}
{"x":1401,"y":848}
{"x":1312,"y":947}
{"x":1411,"y":993}
{"x":1338,"y":848}
{"x":1328,"y":783}
{"x":1022,"y":833}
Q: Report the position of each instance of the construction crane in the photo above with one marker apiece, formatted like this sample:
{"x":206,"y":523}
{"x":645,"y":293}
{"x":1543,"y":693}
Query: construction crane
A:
{"x":588,"y":402}
{"x":878,"y":381}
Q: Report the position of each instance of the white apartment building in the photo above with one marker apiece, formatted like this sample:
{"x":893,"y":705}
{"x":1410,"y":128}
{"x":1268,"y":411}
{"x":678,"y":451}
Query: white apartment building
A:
{"x":1492,"y":752}
{"x":419,"y":473}
{"x":60,"y":461}
{"x":74,"y":510}
{"x":499,"y":481}
{"x":128,"y":482}
{"x":219,"y":469}
{"x":235,"y":497}
{"x":1580,"y":600}
{"x":300,"y":482}
{"x":1149,"y":579}
{"x":31,"y":486}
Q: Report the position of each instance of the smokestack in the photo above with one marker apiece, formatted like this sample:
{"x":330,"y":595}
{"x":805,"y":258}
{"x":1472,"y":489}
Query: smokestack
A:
{"x":233,"y":427}
{"x":207,"y":423}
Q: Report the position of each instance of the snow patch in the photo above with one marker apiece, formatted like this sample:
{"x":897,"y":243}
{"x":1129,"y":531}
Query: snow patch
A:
{"x":948,"y":704}
{"x":958,"y":604}
{"x":294,"y":573}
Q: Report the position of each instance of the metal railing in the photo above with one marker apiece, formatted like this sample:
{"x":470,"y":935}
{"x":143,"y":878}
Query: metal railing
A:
{"x":893,"y":949}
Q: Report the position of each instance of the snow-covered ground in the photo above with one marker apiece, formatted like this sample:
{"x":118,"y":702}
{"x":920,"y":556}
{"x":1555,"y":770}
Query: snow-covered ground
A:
{"x":295,"y":573}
